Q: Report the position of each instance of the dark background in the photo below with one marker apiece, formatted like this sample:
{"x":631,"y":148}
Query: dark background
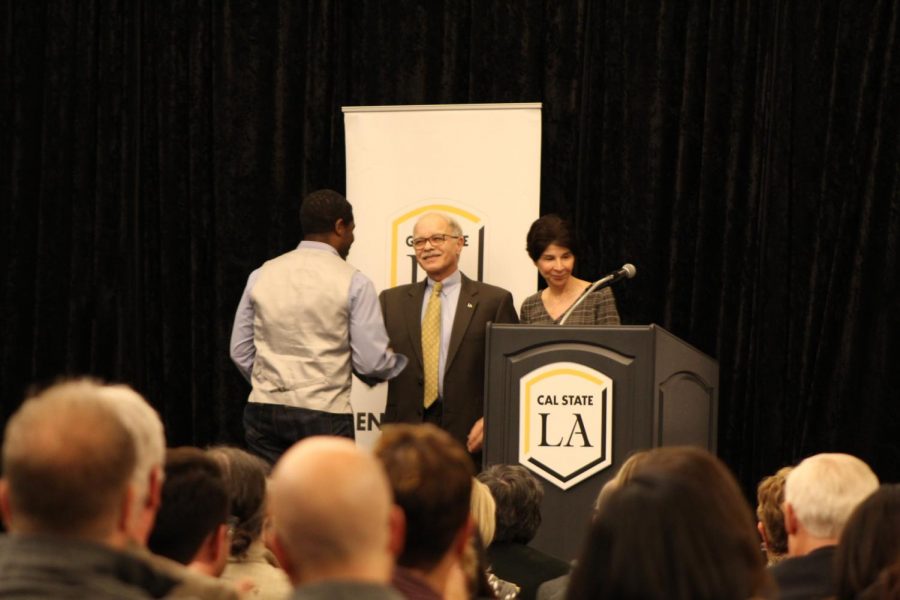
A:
{"x":743,"y":154}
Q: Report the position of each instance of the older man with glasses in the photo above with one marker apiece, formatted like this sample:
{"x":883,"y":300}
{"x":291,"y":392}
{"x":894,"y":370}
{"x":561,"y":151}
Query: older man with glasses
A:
{"x":441,"y":322}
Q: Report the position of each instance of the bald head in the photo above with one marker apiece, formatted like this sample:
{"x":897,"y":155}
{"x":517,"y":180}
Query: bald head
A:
{"x":67,"y":463}
{"x":331,"y":506}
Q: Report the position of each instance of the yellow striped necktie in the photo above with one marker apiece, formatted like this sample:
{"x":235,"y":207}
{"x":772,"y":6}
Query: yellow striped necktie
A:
{"x":431,"y":345}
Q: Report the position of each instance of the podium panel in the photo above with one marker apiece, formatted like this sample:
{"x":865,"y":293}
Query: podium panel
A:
{"x":571,"y":403}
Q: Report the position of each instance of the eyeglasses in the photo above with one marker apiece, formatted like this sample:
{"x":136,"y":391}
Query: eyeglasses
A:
{"x":437,"y":239}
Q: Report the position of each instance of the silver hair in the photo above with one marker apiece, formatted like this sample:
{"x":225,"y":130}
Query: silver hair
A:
{"x":825,"y":488}
{"x":146,"y":429}
{"x":452,"y":223}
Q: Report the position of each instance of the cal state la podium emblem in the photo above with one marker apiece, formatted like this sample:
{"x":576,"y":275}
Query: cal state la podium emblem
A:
{"x":565,"y":422}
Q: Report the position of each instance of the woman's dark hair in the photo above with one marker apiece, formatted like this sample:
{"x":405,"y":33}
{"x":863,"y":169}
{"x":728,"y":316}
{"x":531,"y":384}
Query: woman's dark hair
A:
{"x":886,"y":587}
{"x":245,"y":479}
{"x":870,"y":542}
{"x":700,"y":466}
{"x":550,"y":229}
{"x":654,"y":538}
{"x":679,"y":528}
{"x":518,"y":495}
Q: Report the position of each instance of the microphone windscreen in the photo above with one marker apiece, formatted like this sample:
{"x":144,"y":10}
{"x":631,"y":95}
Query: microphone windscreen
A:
{"x":630,"y":270}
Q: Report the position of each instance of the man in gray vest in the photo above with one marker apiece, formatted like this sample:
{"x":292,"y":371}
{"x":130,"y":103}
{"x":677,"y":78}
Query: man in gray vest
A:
{"x":306,"y":321}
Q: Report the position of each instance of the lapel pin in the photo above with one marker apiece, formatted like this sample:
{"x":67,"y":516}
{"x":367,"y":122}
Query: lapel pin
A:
{"x":469,"y":305}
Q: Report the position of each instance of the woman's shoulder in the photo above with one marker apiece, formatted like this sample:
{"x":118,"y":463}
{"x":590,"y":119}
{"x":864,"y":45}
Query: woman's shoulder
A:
{"x":532,"y":309}
{"x":532,"y":300}
{"x":600,"y":296}
{"x":603,"y":304}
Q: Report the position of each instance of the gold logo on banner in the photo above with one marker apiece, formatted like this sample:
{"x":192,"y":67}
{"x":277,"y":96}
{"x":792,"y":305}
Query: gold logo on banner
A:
{"x":404,"y":257}
{"x":565,"y":422}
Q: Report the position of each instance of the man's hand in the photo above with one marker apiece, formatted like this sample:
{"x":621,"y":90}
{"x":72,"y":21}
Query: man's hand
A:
{"x":476,"y":436}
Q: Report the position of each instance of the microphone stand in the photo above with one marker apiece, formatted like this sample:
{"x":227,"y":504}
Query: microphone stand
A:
{"x":593,"y":287}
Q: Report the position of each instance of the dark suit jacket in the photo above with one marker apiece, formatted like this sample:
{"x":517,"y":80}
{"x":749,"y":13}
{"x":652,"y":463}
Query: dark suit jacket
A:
{"x":463,"y":396}
{"x":806,"y":577}
{"x":525,"y":566}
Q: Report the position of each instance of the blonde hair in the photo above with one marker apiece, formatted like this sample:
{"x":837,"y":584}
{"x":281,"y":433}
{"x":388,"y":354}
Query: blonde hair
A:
{"x":484,"y":511}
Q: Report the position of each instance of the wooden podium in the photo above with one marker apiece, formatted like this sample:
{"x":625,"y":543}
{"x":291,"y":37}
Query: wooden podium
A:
{"x":572,"y":403}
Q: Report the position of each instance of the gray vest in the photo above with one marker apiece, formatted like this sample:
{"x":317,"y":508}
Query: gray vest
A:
{"x":301,"y":330}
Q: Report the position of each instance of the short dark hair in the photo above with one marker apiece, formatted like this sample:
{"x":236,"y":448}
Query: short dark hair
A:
{"x":245,"y":480}
{"x":870,"y":542}
{"x":321,"y":209}
{"x":194,"y":503}
{"x":518,"y":495}
{"x":431,"y":477}
{"x":550,"y":229}
{"x":662,"y":535}
{"x":67,"y":460}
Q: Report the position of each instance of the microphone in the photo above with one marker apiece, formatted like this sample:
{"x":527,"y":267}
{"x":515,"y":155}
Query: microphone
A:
{"x":627,"y":271}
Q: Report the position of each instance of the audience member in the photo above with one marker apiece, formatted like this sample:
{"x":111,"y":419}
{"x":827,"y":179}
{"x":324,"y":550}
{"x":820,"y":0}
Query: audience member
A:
{"x":333,"y":523}
{"x":146,"y":429}
{"x":483,"y":581}
{"x":770,"y":515}
{"x":555,"y":589}
{"x":870,"y":543}
{"x":431,"y":477}
{"x":68,"y":463}
{"x":192,"y":523}
{"x":678,"y":529}
{"x":622,"y":476}
{"x":819,"y":495}
{"x":249,"y":560}
{"x":484,"y":511}
{"x":886,"y":587}
{"x":470,"y":579}
{"x":518,"y":495}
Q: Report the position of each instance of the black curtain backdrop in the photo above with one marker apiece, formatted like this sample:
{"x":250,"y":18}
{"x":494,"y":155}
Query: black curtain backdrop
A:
{"x":743,"y":154}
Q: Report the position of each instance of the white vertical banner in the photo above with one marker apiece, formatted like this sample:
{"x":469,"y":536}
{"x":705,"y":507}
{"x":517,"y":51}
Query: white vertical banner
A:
{"x":479,"y":163}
